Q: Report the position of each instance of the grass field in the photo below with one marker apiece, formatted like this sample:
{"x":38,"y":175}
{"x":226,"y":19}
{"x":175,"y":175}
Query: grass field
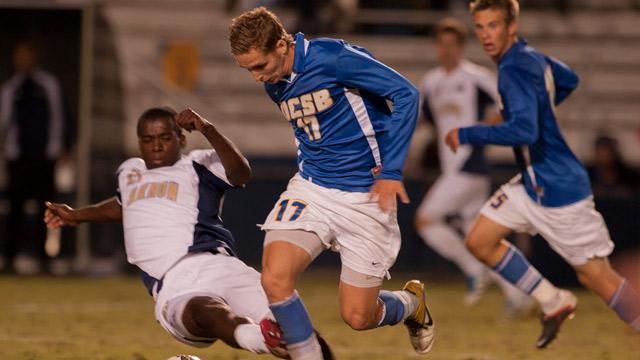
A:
{"x":112,"y":318}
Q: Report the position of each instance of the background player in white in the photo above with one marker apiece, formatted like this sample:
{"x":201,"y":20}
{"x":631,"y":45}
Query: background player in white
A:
{"x":170,"y":207}
{"x":552,"y":194}
{"x":459,"y":93}
{"x":351,"y":150}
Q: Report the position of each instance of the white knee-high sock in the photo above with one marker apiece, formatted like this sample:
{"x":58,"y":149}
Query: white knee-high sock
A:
{"x":450,"y":245}
{"x":249,"y":337}
{"x":510,"y":291}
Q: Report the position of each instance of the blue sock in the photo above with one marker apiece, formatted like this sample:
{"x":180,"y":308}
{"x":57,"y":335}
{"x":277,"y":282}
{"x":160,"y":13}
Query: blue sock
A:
{"x":515,"y":268}
{"x":393,"y":310}
{"x":626,"y":303}
{"x":293,"y":319}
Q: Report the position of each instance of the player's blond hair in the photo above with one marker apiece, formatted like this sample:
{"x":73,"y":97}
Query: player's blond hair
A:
{"x":511,"y":8}
{"x":256,"y":29}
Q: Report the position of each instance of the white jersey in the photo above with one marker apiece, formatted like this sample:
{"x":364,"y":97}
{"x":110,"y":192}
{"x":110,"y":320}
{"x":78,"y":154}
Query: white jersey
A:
{"x":458,"y":99}
{"x":171,"y":211}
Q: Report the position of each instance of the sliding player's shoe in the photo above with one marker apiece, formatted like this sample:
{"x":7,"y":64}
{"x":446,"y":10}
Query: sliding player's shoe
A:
{"x":551,"y":322}
{"x":273,"y":338}
{"x":420,"y":324}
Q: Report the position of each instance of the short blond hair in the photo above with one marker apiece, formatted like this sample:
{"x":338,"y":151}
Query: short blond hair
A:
{"x":256,"y":29}
{"x":511,"y":8}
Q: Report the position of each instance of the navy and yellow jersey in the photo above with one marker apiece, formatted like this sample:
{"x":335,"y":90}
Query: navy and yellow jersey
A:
{"x":458,"y":98}
{"x":170,"y":211}
{"x":530,"y":85}
{"x":336,"y":102}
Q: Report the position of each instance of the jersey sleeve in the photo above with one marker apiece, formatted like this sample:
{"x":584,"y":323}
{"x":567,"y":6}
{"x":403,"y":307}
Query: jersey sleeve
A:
{"x":357,"y":69}
{"x":521,"y":111}
{"x":210,"y":160}
{"x":564,"y":78}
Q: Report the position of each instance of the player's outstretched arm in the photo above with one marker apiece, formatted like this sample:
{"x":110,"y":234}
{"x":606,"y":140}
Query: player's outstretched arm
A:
{"x":236,"y":166}
{"x":58,"y":215}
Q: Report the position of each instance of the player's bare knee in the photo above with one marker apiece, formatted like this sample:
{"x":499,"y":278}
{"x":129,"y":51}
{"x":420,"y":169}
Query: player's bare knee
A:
{"x":277,"y":285}
{"x":590,"y":276}
{"x":357,"y":320}
{"x":476,"y":245}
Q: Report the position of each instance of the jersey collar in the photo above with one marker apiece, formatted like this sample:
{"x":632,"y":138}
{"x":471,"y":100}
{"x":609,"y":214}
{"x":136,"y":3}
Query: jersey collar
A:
{"x":516,"y":47}
{"x":302,"y":45}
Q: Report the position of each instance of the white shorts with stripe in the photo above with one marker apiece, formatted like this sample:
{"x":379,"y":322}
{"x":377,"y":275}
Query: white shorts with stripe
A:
{"x":367,"y":239}
{"x":215,"y":275}
{"x":577,"y":232}
{"x":455,"y":193}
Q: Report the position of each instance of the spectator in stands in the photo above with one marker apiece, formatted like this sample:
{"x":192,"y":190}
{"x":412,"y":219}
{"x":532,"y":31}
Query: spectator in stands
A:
{"x":32,"y":129}
{"x":609,"y":173}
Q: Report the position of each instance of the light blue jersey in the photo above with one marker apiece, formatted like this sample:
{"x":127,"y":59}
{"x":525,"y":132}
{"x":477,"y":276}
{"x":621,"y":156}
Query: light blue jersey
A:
{"x":336,"y":102}
{"x":530,"y":86}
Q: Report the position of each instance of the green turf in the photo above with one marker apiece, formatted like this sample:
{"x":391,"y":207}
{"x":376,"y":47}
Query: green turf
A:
{"x":81,"y":318}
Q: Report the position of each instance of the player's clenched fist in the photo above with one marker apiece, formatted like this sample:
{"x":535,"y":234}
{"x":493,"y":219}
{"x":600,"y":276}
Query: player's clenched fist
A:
{"x":452,"y":140}
{"x":57,"y":215}
{"x":191,"y":120}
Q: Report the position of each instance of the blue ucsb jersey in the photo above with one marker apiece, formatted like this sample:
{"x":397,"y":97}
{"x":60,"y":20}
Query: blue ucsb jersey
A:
{"x":336,"y":102}
{"x":530,"y":85}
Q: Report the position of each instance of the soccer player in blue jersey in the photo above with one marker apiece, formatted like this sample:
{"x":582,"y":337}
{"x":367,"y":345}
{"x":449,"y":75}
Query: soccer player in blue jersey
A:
{"x":351,"y":150}
{"x":460,"y":93}
{"x":551,"y":195}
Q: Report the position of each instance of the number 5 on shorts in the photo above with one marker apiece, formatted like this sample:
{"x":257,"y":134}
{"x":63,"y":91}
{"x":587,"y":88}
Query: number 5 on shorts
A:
{"x":284,"y":205}
{"x":498,"y":200}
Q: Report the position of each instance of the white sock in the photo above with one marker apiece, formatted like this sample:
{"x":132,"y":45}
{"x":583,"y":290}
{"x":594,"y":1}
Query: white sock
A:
{"x":306,"y":350}
{"x":450,"y":245}
{"x":409,"y":301}
{"x":548,"y":296}
{"x":510,"y":291}
{"x":249,"y":337}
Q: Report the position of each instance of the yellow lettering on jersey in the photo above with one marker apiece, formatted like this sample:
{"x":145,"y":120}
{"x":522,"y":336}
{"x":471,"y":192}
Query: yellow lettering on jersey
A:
{"x":162,"y":190}
{"x":301,"y":124}
{"x":173,"y":191}
{"x":285,"y":110}
{"x":132,"y":195}
{"x":142,"y":191}
{"x":153,"y":190}
{"x":308,"y":108}
{"x":292,"y":108}
{"x":323,"y":100}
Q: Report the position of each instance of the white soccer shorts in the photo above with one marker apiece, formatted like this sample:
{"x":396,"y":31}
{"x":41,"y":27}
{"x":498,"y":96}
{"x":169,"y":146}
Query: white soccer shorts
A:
{"x":455,"y":193}
{"x":216,"y":275}
{"x":367,"y":239}
{"x":576,"y":232}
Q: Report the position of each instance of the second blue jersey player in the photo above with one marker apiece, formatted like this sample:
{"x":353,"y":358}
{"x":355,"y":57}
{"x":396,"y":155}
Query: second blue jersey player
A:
{"x":551,"y":195}
{"x":353,"y":118}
